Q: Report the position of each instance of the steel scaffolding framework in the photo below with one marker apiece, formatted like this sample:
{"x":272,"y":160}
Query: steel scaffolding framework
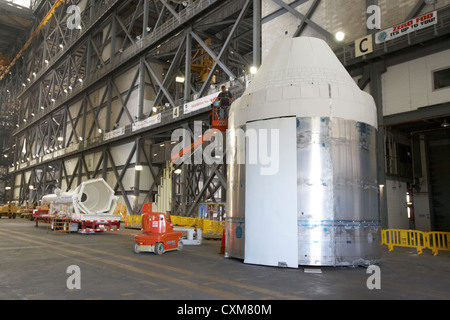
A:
{"x":74,"y":86}
{"x":76,"y":94}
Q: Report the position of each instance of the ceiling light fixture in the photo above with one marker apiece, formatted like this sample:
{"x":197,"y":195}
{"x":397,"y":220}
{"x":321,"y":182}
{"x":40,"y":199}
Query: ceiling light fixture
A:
{"x":340,"y":36}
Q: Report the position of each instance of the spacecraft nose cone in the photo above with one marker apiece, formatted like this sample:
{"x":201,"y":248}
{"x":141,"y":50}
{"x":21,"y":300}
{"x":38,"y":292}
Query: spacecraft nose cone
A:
{"x":303,"y":77}
{"x":300,"y":60}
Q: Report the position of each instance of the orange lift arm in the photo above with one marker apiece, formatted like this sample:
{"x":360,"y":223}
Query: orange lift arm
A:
{"x":193,"y":146}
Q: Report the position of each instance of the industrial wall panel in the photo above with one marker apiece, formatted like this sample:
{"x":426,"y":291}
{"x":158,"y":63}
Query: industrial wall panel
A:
{"x":436,"y":62}
{"x":422,"y":211}
{"x":70,"y":166}
{"x":121,"y":153}
{"x":27,"y":175}
{"x":74,"y":108}
{"x":146,"y":179}
{"x":133,"y":103}
{"x":116,"y":109}
{"x":396,"y":90}
{"x":124,"y":80}
{"x":409,"y":86}
{"x":396,"y":195}
{"x":439,"y":159}
{"x":92,"y":160}
{"x":17,"y":179}
{"x":17,"y":192}
{"x":128,"y":178}
{"x":111,"y":178}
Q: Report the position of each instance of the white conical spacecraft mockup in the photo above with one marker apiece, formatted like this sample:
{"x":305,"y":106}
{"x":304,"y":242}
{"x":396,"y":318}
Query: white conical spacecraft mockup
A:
{"x":302,"y":168}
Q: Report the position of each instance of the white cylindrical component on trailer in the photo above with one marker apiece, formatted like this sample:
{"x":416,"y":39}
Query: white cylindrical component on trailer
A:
{"x":49,"y":199}
{"x":95,"y":197}
{"x":329,"y":194}
{"x":59,"y":197}
{"x":66,"y":197}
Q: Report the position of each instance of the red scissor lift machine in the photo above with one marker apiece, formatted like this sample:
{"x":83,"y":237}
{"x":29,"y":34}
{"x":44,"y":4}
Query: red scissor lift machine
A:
{"x":157,"y":233}
{"x":220,"y":114}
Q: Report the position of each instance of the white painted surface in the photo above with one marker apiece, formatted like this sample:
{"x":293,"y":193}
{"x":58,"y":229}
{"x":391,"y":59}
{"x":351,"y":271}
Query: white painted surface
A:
{"x":271,"y":205}
{"x":302,"y":77}
{"x":396,"y":201}
{"x":410,"y":86}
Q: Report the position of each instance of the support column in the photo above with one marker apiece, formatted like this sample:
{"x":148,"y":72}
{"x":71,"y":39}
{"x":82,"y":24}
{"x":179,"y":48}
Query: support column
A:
{"x":376,"y":70}
{"x":257,"y":33}
{"x":137,"y":177}
{"x":184,"y":188}
{"x":140,"y":114}
{"x":187,"y":72}
{"x":145,"y":22}
{"x":113,"y":36}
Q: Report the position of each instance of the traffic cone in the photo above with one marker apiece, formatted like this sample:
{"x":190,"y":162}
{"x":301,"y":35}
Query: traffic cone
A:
{"x":222,"y":245}
{"x":126,"y":222}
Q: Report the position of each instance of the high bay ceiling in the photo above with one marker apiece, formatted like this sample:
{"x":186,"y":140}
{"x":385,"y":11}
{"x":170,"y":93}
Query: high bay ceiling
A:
{"x":16,"y":19}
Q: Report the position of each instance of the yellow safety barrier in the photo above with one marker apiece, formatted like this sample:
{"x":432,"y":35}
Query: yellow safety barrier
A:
{"x":132,"y":220}
{"x":435,"y":241}
{"x":207,"y":226}
{"x":175,"y":220}
{"x":404,"y":238}
{"x":438,"y":241}
{"x":182,"y":221}
{"x":121,"y":210}
{"x":210,"y":226}
{"x":199,"y":223}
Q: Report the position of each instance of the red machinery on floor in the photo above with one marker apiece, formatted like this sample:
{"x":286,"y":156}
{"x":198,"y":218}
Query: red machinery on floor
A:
{"x":157,"y":233}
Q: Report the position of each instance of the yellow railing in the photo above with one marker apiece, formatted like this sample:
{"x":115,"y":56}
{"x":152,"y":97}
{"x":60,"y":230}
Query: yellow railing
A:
{"x":438,"y":241}
{"x":207,"y":226}
{"x":435,"y":241}
{"x":131,"y":220}
{"x":404,"y":238}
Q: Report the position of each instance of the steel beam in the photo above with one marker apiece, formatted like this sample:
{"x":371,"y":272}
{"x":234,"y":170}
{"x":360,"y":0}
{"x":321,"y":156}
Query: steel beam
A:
{"x":376,"y":70}
{"x":309,"y":15}
{"x":302,"y":17}
{"x":257,"y":56}
{"x":416,"y":10}
{"x":79,"y":115}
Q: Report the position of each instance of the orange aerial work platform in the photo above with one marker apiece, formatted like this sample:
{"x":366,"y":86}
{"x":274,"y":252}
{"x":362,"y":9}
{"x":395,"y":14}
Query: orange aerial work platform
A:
{"x":220,"y":114}
{"x":219,"y":121}
{"x":157,"y":233}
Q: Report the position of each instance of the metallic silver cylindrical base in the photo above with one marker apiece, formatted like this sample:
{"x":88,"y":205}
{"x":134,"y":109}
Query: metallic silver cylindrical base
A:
{"x":337,"y":195}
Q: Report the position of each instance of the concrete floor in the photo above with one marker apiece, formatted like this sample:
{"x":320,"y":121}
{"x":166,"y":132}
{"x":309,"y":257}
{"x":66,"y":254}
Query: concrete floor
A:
{"x":33,"y":266}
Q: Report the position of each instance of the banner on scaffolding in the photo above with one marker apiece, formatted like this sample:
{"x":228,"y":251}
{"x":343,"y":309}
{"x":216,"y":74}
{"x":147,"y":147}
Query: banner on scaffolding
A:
{"x":156,"y":119}
{"x":200,"y":103}
{"x":422,"y":22}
